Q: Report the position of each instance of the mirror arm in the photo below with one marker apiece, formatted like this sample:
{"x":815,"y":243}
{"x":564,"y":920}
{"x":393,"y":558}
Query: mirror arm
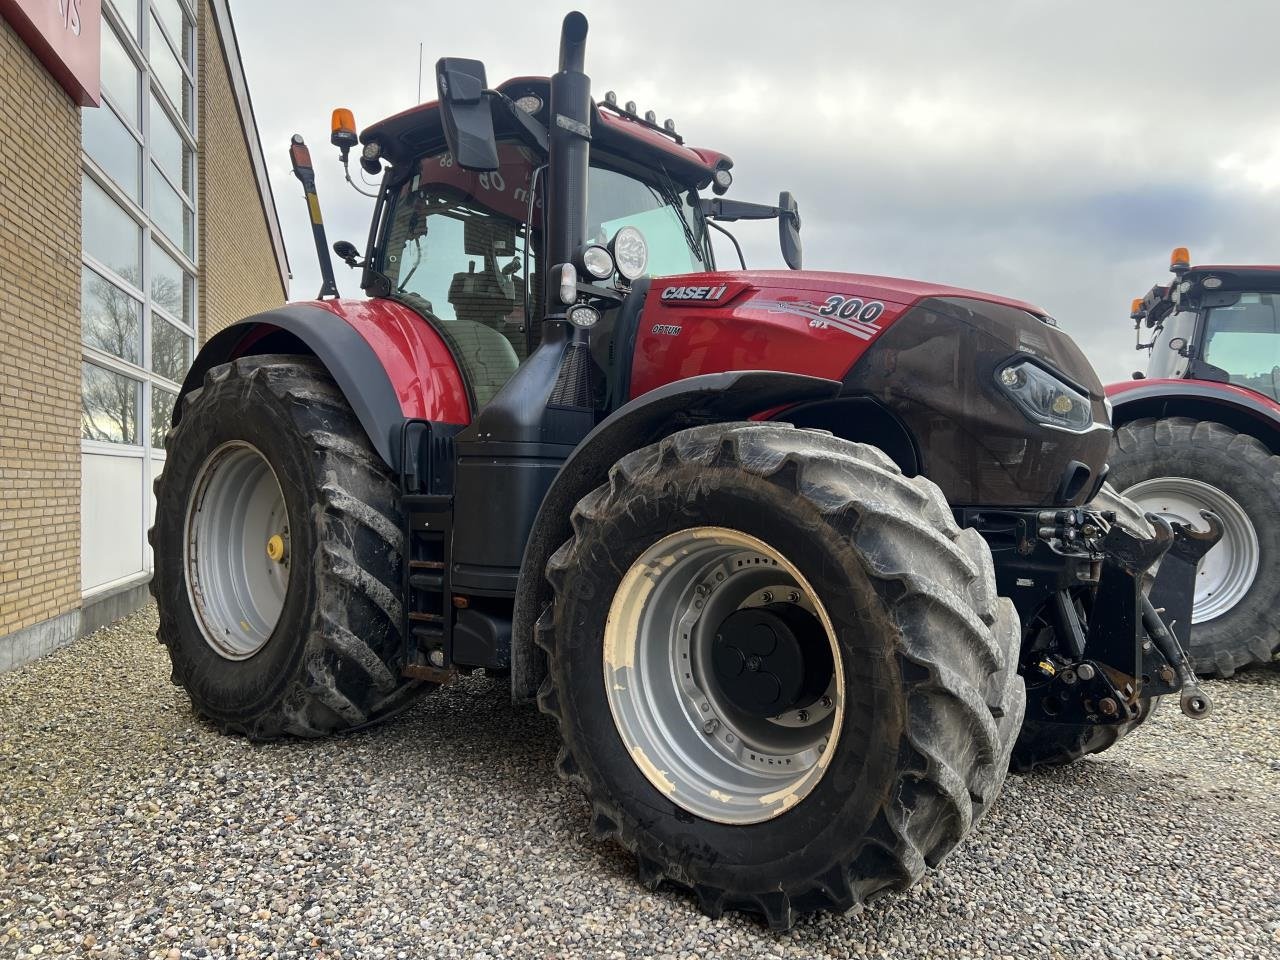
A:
{"x":531,"y":131}
{"x":730,"y":211}
{"x":736,"y":246}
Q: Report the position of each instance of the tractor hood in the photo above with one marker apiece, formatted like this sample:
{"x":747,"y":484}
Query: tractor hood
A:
{"x":930,"y":353}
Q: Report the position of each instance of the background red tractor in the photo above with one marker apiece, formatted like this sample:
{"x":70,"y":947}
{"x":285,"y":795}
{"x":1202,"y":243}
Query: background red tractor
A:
{"x":1201,"y":431}
{"x":798,"y":561}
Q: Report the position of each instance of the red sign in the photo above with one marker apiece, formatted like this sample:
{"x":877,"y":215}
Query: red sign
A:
{"x":65,"y":36}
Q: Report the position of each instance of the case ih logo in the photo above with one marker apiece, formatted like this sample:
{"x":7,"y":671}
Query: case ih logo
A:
{"x":695,"y":293}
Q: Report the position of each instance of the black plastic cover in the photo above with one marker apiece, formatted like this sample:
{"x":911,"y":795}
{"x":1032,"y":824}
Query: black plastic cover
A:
{"x":935,"y":367}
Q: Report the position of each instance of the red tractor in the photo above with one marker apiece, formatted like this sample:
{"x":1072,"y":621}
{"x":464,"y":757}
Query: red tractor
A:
{"x":797,"y":561}
{"x":1201,"y":431}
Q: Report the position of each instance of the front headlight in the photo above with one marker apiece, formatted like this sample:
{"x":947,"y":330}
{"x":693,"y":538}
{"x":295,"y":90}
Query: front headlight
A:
{"x":630,"y":252}
{"x":1044,"y":398}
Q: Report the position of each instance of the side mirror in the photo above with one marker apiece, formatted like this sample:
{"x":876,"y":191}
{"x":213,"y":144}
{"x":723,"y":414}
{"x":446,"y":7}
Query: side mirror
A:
{"x":465,"y":113}
{"x":347,"y":252}
{"x":789,"y":230}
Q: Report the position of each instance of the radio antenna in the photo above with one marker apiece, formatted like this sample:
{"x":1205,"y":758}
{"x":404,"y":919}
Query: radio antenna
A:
{"x":419,"y":71}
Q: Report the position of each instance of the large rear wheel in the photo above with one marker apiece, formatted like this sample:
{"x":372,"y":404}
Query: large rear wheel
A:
{"x":1176,"y":467}
{"x":782,"y":674}
{"x":278,"y":555}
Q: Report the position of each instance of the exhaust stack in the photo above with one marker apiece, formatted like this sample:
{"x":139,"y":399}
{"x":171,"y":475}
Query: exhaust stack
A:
{"x":570,"y":145}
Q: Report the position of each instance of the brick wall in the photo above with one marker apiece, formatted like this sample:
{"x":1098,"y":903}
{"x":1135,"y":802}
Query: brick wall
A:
{"x":239,"y":274}
{"x":39,"y":342}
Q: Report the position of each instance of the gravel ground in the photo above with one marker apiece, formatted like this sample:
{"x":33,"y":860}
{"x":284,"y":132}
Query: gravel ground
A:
{"x":127,"y":828}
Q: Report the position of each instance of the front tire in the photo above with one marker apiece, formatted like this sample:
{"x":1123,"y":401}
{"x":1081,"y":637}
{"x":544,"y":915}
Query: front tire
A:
{"x":1178,"y":466}
{"x":927,"y":699}
{"x":278,"y":544}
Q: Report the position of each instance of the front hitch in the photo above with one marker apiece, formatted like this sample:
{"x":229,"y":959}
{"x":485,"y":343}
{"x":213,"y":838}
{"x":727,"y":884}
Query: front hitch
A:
{"x":1128,"y":654}
{"x":1173,"y":595}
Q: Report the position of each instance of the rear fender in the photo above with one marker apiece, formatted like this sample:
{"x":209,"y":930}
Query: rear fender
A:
{"x":387,"y":361}
{"x":712,"y":398}
{"x":1244,"y":411}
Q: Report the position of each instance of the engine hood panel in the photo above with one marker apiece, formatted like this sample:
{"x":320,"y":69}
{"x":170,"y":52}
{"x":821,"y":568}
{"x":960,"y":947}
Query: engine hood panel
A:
{"x":928,"y":353}
{"x":796,"y":322}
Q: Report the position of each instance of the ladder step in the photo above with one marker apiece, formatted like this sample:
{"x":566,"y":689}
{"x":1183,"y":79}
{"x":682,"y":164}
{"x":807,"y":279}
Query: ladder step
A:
{"x":417,"y":617}
{"x":426,"y":564}
{"x":426,"y":581}
{"x":427,"y":635}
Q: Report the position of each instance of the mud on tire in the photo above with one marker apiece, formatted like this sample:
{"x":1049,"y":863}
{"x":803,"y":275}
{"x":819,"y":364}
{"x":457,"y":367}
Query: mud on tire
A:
{"x":929,"y":660}
{"x":332,"y":661}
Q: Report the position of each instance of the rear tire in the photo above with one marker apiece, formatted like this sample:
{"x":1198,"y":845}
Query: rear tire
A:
{"x":1177,"y":466}
{"x":926,"y":651}
{"x":323,"y":653}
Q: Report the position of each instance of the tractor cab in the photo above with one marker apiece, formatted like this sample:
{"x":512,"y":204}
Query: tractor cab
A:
{"x":1214,"y":323}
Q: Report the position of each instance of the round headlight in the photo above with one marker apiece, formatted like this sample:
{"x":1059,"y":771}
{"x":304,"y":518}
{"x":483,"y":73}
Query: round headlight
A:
{"x":630,"y":252}
{"x":529,"y":103}
{"x":597,"y":262}
{"x":723,"y":179}
{"x":372,"y":150}
{"x":1211,"y":283}
{"x":583,"y":315}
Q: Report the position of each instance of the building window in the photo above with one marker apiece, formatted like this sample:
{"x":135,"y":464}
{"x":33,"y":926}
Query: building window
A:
{"x":138,"y":290}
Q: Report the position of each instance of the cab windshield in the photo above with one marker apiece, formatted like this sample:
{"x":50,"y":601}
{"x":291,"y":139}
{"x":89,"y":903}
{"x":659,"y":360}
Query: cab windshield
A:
{"x":1244,"y":340}
{"x":458,"y":249}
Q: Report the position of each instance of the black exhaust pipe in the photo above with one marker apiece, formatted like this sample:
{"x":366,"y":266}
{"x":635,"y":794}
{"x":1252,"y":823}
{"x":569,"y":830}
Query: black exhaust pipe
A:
{"x":570,"y":145}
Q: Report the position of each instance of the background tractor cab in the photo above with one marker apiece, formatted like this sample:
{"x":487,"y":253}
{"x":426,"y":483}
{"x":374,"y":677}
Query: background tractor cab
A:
{"x":1199,"y":430}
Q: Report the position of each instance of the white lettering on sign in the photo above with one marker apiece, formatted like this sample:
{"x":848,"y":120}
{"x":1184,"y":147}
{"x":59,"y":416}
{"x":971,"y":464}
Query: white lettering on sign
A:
{"x":69,"y":11}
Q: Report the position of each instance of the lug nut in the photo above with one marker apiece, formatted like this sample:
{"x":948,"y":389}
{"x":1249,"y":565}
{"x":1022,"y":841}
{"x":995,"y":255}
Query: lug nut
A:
{"x":767,"y":597}
{"x":711,"y":726}
{"x":826,"y":702}
{"x":793,"y":596}
{"x":802,"y":716}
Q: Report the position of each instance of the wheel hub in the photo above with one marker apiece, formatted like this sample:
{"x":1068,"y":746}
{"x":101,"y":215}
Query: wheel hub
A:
{"x":771,"y":659}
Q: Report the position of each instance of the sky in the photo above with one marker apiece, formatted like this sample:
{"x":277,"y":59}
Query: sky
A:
{"x":1050,"y":151}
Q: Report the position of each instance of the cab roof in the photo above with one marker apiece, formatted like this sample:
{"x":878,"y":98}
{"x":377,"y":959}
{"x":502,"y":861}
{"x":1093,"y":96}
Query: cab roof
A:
{"x":418,"y":130}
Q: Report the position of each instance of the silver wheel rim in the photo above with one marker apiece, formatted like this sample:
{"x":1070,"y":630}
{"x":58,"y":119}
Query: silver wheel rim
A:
{"x":237,"y":550}
{"x":686,"y":735}
{"x":1227,"y":571}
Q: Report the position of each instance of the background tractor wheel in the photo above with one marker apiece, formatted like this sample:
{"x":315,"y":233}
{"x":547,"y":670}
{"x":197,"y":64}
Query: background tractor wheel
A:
{"x":1058,"y":744}
{"x":278,"y":544}
{"x":782,"y":674}
{"x":1177,"y":467}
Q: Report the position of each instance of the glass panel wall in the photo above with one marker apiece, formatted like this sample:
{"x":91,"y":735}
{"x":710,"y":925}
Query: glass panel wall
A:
{"x":139,"y":277}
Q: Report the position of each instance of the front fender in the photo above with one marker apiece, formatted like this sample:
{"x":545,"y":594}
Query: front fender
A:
{"x":387,"y":361}
{"x":711,"y":398}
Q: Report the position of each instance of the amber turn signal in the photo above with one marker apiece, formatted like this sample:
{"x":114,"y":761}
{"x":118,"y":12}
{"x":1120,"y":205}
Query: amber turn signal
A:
{"x":1135,"y":308}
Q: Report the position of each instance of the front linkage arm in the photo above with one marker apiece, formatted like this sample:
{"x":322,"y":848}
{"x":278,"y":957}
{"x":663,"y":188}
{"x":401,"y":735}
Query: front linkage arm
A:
{"x":1129,"y":654}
